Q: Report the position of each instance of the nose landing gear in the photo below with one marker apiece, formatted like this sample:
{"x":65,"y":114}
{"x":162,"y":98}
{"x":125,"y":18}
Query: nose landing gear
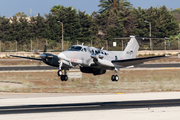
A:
{"x":63,"y":77}
{"x":115,"y":77}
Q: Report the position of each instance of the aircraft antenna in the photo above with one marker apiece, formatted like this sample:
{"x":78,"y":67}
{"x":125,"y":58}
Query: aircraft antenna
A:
{"x":30,"y":13}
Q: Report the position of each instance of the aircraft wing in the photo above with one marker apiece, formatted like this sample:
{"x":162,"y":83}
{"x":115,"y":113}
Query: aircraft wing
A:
{"x":135,"y":61}
{"x":27,"y":57}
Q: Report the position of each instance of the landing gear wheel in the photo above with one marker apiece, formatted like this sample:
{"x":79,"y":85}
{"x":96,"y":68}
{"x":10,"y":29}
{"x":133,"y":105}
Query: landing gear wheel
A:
{"x":64,"y":77}
{"x":114,"y":78}
{"x":59,"y":73}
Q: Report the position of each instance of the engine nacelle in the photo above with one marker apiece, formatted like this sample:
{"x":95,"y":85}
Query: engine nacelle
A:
{"x":51,"y":59}
{"x":93,"y":71}
{"x":104,"y":62}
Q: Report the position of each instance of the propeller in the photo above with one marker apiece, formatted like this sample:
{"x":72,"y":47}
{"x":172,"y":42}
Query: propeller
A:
{"x":43,"y":56}
{"x":45,"y":48}
{"x":36,"y":52}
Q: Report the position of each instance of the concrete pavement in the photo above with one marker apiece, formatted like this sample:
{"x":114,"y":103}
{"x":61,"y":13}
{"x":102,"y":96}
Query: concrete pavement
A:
{"x":148,"y":112}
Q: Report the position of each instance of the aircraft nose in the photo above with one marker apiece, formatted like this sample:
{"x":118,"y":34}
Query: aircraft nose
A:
{"x":61,"y":56}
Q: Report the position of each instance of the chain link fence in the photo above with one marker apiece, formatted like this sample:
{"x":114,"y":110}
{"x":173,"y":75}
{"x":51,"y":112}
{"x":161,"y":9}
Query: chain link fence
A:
{"x":38,"y":44}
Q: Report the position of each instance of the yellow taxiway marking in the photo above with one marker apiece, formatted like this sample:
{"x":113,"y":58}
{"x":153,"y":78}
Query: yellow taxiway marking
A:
{"x":119,"y":93}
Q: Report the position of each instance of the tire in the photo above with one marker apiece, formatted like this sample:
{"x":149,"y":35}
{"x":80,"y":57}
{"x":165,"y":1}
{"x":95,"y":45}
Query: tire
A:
{"x":113,"y":78}
{"x":116,"y":78}
{"x":65,"y":78}
{"x":59,"y":73}
{"x":62,"y":77}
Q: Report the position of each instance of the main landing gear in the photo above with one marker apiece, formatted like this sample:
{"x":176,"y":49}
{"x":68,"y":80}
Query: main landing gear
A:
{"x":63,"y":77}
{"x":115,"y":77}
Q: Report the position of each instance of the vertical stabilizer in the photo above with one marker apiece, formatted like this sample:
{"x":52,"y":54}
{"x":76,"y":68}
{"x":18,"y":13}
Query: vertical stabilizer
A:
{"x":131,"y":48}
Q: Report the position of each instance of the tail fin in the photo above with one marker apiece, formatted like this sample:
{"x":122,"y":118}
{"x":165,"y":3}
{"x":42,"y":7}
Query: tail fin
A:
{"x":131,"y":48}
{"x":133,"y":45}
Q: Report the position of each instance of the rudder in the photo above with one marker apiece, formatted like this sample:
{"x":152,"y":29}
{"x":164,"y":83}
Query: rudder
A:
{"x":131,"y":48}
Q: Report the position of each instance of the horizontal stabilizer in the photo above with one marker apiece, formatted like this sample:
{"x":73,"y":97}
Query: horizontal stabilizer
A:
{"x":27,"y":57}
{"x":135,"y":61}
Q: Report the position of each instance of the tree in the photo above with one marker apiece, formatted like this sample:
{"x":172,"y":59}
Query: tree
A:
{"x":176,"y":14}
{"x":112,"y":5}
{"x":85,"y":31}
{"x":20,"y":14}
{"x":116,"y":17}
{"x":162,"y":21}
{"x":4,"y":29}
{"x":38,"y":26}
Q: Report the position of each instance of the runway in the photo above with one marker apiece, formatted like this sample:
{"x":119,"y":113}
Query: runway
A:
{"x":149,"y":106}
{"x":24,"y":67}
{"x":88,"y":106}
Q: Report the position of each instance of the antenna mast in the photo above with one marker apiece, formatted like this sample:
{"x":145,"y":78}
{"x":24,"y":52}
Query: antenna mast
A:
{"x":30,"y":13}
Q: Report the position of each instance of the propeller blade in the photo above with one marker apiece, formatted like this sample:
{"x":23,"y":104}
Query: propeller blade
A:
{"x":39,"y":64}
{"x":45,"y":48}
{"x":36,"y":52}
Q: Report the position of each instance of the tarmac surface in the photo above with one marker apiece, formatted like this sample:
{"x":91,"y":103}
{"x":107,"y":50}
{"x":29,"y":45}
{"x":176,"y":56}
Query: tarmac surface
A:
{"x":88,"y":106}
{"x":45,"y":67}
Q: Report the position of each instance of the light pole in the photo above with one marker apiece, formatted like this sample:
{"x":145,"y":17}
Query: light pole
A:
{"x":62,"y":33}
{"x":149,"y":33}
{"x":178,"y":43}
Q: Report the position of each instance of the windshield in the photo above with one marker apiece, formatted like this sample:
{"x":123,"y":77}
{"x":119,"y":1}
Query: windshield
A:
{"x":75,"y":48}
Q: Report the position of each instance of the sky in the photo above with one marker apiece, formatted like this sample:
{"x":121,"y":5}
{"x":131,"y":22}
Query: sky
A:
{"x":9,"y":8}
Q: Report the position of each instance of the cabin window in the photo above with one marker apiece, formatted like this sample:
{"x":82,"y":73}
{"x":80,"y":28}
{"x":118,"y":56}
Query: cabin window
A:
{"x":92,"y":51}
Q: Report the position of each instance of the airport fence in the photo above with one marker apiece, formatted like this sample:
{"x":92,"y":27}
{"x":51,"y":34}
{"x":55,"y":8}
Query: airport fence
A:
{"x":115,"y":45}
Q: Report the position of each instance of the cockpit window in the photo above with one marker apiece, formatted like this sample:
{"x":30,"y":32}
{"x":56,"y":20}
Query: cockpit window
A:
{"x":75,"y":48}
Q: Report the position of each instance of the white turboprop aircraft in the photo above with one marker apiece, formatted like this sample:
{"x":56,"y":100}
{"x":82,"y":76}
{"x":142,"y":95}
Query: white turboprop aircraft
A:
{"x":96,"y":61}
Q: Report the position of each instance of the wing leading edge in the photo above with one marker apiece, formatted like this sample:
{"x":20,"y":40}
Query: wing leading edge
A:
{"x":27,"y":57}
{"x":135,"y":61}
